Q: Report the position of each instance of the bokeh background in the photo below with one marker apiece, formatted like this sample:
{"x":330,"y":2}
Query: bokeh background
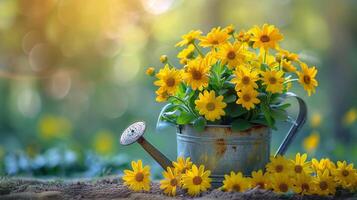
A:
{"x":72,"y":77}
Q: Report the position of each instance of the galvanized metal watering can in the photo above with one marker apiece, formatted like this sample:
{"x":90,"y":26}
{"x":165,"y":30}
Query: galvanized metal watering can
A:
{"x":219,"y":148}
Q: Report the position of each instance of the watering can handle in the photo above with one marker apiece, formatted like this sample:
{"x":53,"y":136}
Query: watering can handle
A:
{"x":299,"y":122}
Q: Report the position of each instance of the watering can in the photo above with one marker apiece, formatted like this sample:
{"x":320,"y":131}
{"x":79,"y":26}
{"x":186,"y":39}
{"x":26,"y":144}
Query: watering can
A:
{"x":218,"y":147}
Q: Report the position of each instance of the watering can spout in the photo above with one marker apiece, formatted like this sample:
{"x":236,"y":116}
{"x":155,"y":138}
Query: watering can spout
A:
{"x":134,"y":133}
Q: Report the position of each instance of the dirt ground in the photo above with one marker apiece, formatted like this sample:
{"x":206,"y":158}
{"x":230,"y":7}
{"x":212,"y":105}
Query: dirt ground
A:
{"x":113,"y":188}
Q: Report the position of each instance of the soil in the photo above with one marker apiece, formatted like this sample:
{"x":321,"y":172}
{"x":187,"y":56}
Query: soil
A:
{"x":113,"y":188}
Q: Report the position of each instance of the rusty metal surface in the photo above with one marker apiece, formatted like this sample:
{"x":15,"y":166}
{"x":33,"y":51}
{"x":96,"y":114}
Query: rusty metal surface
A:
{"x":222,"y":150}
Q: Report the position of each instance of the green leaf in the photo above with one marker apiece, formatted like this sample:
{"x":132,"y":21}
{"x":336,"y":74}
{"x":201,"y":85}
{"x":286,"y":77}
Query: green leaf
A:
{"x":235,"y":110}
{"x":267,"y":115}
{"x":185,"y":118}
{"x":264,"y":67}
{"x":279,"y":114}
{"x":230,"y":98}
{"x":261,"y":121}
{"x":241,"y":125}
{"x":199,"y":124}
{"x":283,"y":106}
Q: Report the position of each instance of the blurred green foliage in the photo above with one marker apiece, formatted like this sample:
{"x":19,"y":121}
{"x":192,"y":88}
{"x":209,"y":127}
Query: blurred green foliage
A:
{"x":72,"y":75}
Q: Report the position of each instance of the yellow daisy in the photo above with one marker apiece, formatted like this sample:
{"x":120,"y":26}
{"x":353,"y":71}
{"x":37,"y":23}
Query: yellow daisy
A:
{"x":266,"y":37}
{"x":171,"y":181}
{"x":210,"y":106}
{"x":162,"y":95}
{"x":235,"y":182}
{"x":344,"y":174}
{"x":182,"y":164}
{"x":244,"y":77}
{"x":307,"y":78}
{"x":139,"y":178}
{"x":169,"y":79}
{"x":189,"y":38}
{"x":274,"y":81}
{"x":214,"y":38}
{"x":186,"y":54}
{"x":286,"y":59}
{"x":300,"y":166}
{"x":243,"y":36}
{"x":247,"y":97}
{"x":325,"y":184}
{"x":267,"y":59}
{"x":260,"y":180}
{"x":231,"y":54}
{"x":303,"y":184}
{"x":196,"y":180}
{"x":281,"y":183}
{"x":196,"y":73}
{"x":322,"y":165}
{"x":150,"y":71}
{"x":279,"y":165}
{"x":229,"y":29}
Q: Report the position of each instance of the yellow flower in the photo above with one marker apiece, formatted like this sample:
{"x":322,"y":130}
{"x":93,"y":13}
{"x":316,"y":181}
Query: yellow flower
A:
{"x":196,"y":180}
{"x":235,"y":182}
{"x":260,"y":180}
{"x":286,"y":59}
{"x":186,"y":54}
{"x":325,"y":184}
{"x":169,"y":79}
{"x":214,"y":38}
{"x":267,"y":37}
{"x":247,"y":97}
{"x":274,"y":81}
{"x":281,"y":183}
{"x":303,"y":184}
{"x":324,"y":164}
{"x":231,"y":54}
{"x":229,"y":29}
{"x":311,"y":142}
{"x":164,"y":59}
{"x":138,"y":178}
{"x":279,"y":165}
{"x":350,"y":117}
{"x":210,"y":106}
{"x":50,"y":127}
{"x":150,"y":71}
{"x":244,"y":78}
{"x":171,"y":181}
{"x":104,"y":142}
{"x":197,"y":73}
{"x":181,"y":165}
{"x":268,"y":59}
{"x":162,"y":95}
{"x":189,"y":38}
{"x":307,"y":78}
{"x":300,"y":166}
{"x":344,"y":174}
{"x":315,"y":120}
{"x":243,"y":36}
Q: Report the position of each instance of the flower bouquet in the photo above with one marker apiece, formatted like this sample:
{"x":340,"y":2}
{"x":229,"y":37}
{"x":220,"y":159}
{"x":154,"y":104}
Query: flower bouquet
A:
{"x":230,"y":78}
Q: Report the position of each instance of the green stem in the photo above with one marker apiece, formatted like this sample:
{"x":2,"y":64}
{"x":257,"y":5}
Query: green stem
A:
{"x":290,"y":80}
{"x":188,"y":108}
{"x":198,"y":49}
{"x":265,"y":56}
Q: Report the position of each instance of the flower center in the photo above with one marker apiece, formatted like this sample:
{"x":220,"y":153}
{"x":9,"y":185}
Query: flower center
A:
{"x":231,"y":55}
{"x":272,"y":80}
{"x":139,"y":177}
{"x":323,"y":185}
{"x":307,"y":79}
{"x":298,"y":169}
{"x":170,"y":82}
{"x":215,"y":42}
{"x":173,"y":182}
{"x":236,"y":187}
{"x":246,"y":97}
{"x":260,"y":185}
{"x":279,"y":168}
{"x":345,"y":173}
{"x":210,"y":106}
{"x":283,"y":187}
{"x":245,"y":80}
{"x":197,"y":75}
{"x":305,"y":187}
{"x":264,"y":38}
{"x":197,"y":180}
